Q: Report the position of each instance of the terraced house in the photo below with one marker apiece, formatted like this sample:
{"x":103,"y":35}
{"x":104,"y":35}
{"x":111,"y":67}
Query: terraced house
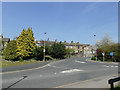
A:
{"x":80,"y":49}
{"x":3,"y":41}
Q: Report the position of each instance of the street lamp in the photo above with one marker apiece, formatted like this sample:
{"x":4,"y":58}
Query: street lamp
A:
{"x":44,"y":47}
{"x":95,"y":46}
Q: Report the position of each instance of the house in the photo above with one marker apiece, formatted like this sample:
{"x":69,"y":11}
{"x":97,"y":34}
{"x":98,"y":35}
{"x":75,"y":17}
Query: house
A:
{"x":81,"y":49}
{"x":4,"y":40}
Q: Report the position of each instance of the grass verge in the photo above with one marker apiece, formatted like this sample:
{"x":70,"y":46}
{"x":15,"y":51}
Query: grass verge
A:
{"x":5,"y":63}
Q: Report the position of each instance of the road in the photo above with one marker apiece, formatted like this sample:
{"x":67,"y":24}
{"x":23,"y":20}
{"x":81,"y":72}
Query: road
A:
{"x":60,"y":73}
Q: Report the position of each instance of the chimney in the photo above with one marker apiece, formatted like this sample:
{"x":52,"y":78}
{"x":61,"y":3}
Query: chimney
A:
{"x":64,"y":41}
{"x":71,"y":41}
{"x":77,"y":42}
{"x":48,"y":40}
{"x":56,"y":41}
{"x":1,"y":36}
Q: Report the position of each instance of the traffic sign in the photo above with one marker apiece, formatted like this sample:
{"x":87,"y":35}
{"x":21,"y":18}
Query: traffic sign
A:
{"x":43,"y":50}
{"x":111,"y":54}
{"x":103,"y":54}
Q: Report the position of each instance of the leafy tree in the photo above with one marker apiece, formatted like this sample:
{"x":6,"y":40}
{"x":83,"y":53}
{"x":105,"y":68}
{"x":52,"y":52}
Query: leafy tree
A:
{"x":47,"y":50}
{"x":99,"y":54}
{"x":69,"y":52}
{"x":58,"y":50}
{"x":10,"y":52}
{"x":38,"y":53}
{"x":107,"y":49}
{"x":25,"y":44}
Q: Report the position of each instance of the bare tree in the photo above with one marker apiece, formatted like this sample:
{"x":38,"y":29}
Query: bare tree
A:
{"x":107,"y":40}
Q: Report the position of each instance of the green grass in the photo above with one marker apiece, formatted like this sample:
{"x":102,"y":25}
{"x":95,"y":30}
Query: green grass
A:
{"x":4,"y":63}
{"x":117,"y":87}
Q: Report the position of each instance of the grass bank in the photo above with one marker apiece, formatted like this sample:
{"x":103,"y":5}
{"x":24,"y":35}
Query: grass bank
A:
{"x":6,"y":63}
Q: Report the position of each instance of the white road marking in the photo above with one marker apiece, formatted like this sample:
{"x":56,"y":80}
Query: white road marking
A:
{"x":109,"y":66}
{"x":79,"y":61}
{"x":48,"y":65}
{"x":70,"y":71}
{"x":40,"y":75}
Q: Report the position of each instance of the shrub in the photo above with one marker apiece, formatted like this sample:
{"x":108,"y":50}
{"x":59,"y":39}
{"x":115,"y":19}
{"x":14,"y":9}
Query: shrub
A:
{"x":93,"y":58}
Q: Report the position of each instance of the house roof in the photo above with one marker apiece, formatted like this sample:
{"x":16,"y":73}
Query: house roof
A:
{"x":5,"y":39}
{"x":67,"y":44}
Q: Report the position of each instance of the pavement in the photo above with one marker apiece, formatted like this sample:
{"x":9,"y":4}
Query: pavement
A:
{"x":99,"y":82}
{"x":75,"y":72}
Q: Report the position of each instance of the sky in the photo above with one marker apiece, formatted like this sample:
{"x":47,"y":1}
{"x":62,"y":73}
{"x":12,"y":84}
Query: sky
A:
{"x":77,"y":21}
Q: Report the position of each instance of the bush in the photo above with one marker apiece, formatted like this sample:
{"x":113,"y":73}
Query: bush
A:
{"x":21,"y":60}
{"x":93,"y":58}
{"x":47,"y":57}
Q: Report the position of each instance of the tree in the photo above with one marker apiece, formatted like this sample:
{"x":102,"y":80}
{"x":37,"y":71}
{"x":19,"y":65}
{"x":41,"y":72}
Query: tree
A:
{"x":25,"y":44}
{"x":10,"y":51}
{"x":58,"y":50}
{"x":38,"y":53}
{"x":69,"y":52}
{"x":47,"y":50}
{"x":105,"y":41}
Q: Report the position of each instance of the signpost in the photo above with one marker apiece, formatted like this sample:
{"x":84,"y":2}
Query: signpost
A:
{"x":111,"y":54}
{"x":103,"y":56}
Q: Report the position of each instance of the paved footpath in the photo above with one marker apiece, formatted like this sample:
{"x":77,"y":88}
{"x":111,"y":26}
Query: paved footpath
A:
{"x":100,"y":82}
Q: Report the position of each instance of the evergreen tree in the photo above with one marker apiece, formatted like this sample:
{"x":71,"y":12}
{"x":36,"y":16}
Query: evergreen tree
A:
{"x":38,"y":53}
{"x":58,"y":50}
{"x":47,"y":50}
{"x":10,"y":52}
{"x":25,"y":44}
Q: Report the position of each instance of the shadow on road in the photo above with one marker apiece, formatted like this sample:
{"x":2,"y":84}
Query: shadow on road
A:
{"x":15,"y":83}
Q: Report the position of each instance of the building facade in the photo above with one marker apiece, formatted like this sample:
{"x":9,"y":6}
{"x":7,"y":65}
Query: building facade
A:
{"x":4,"y":41}
{"x":81,"y":49}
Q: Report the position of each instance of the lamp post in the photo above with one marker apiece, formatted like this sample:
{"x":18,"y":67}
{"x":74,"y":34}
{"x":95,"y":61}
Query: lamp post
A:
{"x":44,"y":47}
{"x":95,"y":46}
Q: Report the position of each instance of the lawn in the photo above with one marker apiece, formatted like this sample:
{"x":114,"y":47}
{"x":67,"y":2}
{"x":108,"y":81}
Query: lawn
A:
{"x":5,"y":63}
{"x":117,"y":88}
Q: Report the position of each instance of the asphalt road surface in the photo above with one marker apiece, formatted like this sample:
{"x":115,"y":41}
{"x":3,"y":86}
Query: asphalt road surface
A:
{"x":58,"y":73}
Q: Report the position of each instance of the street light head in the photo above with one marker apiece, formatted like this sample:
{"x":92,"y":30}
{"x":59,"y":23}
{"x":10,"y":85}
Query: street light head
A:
{"x":95,"y":35}
{"x":45,"y":33}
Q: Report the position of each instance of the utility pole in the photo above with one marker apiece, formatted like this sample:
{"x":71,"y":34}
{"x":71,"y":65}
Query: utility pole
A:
{"x":44,"y":47}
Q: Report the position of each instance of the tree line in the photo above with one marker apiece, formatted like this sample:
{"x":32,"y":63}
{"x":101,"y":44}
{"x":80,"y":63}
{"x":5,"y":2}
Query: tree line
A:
{"x":23,"y":48}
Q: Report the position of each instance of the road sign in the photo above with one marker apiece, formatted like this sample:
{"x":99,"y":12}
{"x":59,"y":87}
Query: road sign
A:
{"x":103,"y":54}
{"x":43,"y":50}
{"x":111,"y":54}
